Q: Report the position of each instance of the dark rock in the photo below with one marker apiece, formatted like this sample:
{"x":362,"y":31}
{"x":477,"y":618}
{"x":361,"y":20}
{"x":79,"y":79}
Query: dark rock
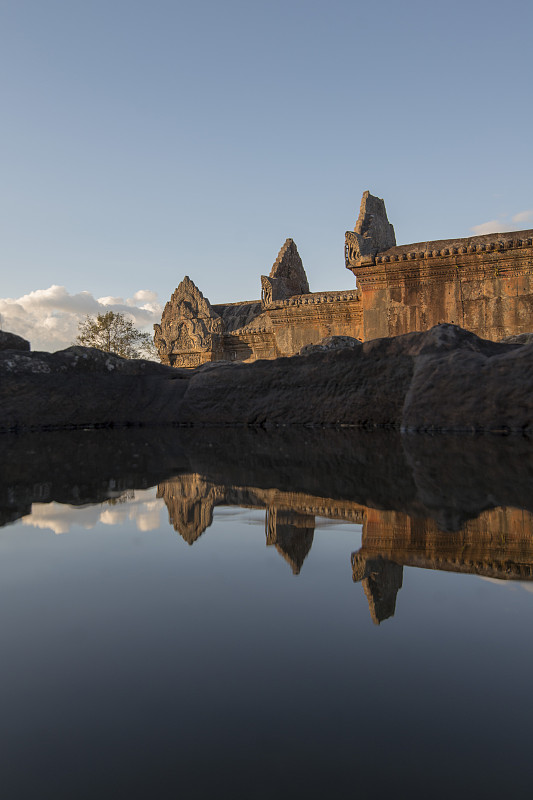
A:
{"x":442,"y":379}
{"x":10,"y":341}
{"x":518,"y":338}
{"x":84,"y":387}
{"x":330,"y":343}
{"x":370,"y":385}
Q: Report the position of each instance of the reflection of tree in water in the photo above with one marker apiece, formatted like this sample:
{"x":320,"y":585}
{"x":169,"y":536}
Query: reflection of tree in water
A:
{"x":125,"y":497}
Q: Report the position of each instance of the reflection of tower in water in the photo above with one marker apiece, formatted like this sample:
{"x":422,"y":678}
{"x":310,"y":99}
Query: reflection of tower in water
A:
{"x":382,"y":580}
{"x":191,"y":500}
{"x":496,"y":544}
{"x":291,"y":533}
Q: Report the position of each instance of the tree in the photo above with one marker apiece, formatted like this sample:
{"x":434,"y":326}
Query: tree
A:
{"x":113,"y":333}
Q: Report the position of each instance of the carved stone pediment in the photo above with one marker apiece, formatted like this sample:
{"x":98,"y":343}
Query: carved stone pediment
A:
{"x":189,"y":325}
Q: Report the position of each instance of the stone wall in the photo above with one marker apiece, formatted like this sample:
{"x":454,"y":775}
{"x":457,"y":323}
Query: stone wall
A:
{"x":482,"y":283}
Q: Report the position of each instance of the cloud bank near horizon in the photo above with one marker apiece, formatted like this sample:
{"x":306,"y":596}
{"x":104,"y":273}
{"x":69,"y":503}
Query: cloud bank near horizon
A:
{"x":518,"y":222}
{"x":143,"y":508}
{"x":49,"y":318}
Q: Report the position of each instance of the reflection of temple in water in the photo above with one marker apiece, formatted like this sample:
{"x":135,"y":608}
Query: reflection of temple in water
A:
{"x":289,"y":521}
{"x":497,"y":544}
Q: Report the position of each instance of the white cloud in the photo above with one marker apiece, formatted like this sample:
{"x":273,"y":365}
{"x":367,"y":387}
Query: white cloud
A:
{"x":49,"y":318}
{"x":143,"y":509}
{"x":524,"y":216}
{"x":516,"y":223}
{"x":493,"y":226}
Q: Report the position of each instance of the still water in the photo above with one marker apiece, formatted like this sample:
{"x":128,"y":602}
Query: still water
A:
{"x":188,"y":615}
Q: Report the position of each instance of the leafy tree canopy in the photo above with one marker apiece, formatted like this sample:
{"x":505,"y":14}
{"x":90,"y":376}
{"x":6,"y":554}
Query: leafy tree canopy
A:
{"x":113,"y":333}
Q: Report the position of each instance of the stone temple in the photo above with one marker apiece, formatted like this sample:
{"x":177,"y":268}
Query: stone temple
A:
{"x":482,"y":283}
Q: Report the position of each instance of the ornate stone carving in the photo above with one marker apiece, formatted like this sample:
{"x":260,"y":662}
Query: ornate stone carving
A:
{"x":190,"y":330}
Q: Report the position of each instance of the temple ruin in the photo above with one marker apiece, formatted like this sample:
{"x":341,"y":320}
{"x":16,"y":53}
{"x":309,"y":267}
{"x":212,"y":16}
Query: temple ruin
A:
{"x":482,"y":283}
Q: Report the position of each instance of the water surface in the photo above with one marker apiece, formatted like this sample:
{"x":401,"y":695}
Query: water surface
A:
{"x":191,"y":614}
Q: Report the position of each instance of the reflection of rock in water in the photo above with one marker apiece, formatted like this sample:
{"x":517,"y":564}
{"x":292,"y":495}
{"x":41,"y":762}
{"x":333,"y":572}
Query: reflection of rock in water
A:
{"x":381,"y":581}
{"x":292,"y":535}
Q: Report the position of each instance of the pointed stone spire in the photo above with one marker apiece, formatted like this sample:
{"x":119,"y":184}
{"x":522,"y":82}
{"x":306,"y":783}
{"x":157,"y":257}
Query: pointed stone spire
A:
{"x":287,"y":277}
{"x":372,"y":234}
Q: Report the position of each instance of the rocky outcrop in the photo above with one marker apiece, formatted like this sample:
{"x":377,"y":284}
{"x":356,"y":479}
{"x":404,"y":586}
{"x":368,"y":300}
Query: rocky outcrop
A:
{"x":10,"y":341}
{"x":519,"y":338}
{"x":330,"y":343}
{"x":445,"y":379}
{"x":84,"y":387}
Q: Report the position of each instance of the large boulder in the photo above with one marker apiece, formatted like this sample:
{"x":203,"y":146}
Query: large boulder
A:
{"x":408,"y":381}
{"x":84,"y":387}
{"x":10,"y":341}
{"x":444,"y":379}
{"x":518,"y":338}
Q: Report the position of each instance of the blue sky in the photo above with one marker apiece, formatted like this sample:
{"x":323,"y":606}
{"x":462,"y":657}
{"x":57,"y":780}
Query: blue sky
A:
{"x":143,"y":140}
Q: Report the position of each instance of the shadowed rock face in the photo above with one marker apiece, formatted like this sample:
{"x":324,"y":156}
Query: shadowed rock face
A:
{"x":10,"y":341}
{"x":445,"y":379}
